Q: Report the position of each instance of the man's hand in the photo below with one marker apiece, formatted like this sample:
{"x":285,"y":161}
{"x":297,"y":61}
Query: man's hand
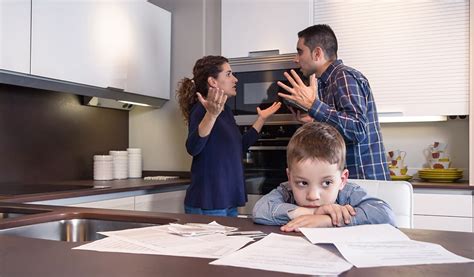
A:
{"x":301,"y":116}
{"x":340,"y":215}
{"x":307,"y":221}
{"x":300,"y":93}
{"x":214,"y":102}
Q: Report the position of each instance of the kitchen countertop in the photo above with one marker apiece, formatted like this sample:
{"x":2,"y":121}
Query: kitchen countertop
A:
{"x":125,"y":185}
{"x":35,"y":257}
{"x":101,"y":187}
{"x":461,"y":185}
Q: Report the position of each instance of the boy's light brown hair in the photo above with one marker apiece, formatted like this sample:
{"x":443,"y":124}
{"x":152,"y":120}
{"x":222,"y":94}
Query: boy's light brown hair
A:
{"x":318,"y":141}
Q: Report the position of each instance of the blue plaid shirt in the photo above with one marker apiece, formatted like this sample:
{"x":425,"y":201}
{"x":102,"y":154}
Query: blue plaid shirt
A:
{"x":346,"y":102}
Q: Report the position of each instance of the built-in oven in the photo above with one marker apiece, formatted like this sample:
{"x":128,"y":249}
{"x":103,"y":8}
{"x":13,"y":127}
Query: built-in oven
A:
{"x":257,"y":86}
{"x":265,"y":162}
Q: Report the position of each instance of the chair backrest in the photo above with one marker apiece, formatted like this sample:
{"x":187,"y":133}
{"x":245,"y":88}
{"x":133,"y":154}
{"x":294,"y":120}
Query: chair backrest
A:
{"x":398,"y":194}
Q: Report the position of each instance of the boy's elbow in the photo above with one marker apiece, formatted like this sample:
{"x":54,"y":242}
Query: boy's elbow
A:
{"x":386,"y":217}
{"x":260,"y":216}
{"x":379,"y":215}
{"x":257,"y":217}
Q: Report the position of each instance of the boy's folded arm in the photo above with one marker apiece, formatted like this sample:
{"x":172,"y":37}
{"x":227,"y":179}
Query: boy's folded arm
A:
{"x":299,"y":211}
{"x":374,"y":211}
{"x":273,"y":208}
{"x":369,"y":210}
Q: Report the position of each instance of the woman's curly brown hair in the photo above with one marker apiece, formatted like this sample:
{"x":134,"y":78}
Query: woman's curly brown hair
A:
{"x":207,"y":66}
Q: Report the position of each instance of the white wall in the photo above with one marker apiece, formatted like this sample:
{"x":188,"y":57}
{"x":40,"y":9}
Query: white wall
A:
{"x":161,"y":133}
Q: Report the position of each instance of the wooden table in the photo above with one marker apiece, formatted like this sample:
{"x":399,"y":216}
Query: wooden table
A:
{"x":34,"y":257}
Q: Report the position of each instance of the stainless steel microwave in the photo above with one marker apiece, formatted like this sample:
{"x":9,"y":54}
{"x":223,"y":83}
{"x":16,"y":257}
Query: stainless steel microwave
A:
{"x":257,"y":86}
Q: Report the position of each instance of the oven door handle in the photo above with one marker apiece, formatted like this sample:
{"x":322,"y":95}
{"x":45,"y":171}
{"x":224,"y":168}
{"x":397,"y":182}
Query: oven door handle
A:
{"x":252,"y":148}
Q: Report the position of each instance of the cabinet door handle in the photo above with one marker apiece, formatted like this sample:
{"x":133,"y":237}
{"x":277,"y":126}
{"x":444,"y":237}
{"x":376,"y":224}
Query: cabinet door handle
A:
{"x":263,"y":53}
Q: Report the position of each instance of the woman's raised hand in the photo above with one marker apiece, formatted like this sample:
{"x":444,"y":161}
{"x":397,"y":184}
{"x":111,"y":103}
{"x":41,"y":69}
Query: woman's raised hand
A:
{"x":214,"y":102}
{"x":264,"y":114}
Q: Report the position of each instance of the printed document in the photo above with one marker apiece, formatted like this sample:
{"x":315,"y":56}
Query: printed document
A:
{"x":395,"y":253}
{"x":289,"y":254}
{"x":380,"y":245}
{"x":360,"y":233}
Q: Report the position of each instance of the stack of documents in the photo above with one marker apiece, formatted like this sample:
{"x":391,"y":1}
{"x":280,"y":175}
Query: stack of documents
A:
{"x":199,"y":229}
{"x":324,"y":251}
{"x":164,"y":240}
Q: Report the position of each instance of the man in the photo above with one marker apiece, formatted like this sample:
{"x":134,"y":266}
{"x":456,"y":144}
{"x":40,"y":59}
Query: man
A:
{"x":341,"y":97}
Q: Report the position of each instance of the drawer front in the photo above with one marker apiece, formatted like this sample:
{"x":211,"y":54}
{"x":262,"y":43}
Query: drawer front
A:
{"x":127,"y":203}
{"x":443,"y":204}
{"x":165,"y":202}
{"x":461,"y":224}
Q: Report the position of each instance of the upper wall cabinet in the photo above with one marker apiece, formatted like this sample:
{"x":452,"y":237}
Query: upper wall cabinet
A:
{"x":260,"y":25}
{"x":15,"y":35}
{"x":119,"y":44}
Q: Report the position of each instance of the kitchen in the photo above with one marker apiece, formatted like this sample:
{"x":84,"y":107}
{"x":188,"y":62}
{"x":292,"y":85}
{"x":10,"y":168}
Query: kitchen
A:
{"x":160,"y":133}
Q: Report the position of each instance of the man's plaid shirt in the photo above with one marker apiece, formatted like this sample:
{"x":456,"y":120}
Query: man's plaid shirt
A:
{"x":346,"y":102}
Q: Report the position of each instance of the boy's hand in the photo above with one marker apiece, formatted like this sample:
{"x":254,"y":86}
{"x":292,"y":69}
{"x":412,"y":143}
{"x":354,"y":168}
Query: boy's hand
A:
{"x":300,"y":211}
{"x":340,"y":215}
{"x":307,"y":221}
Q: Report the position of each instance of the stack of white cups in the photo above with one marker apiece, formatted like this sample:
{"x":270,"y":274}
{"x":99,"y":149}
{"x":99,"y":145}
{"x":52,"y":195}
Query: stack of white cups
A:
{"x":120,"y":159}
{"x":103,"y":167}
{"x":134,"y":162}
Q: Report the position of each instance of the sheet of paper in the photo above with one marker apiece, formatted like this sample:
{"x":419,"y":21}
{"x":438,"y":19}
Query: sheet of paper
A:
{"x":360,"y":233}
{"x":362,"y":254}
{"x":110,"y":244}
{"x":287,"y":254}
{"x":158,"y":238}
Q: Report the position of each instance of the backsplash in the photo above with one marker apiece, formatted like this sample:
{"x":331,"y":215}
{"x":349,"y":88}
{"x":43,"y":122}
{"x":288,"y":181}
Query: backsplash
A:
{"x":415,"y":138}
{"x":49,"y":136}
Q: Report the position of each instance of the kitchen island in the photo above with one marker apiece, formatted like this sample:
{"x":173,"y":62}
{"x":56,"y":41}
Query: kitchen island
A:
{"x":21,"y":256}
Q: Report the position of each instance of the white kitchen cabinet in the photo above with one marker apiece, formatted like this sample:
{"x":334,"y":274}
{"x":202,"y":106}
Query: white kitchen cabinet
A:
{"x":259,"y":25}
{"x":126,"y":203}
{"x":120,"y":44}
{"x":15,"y":35}
{"x":167,"y":202}
{"x":149,"y":62}
{"x":445,"y":223}
{"x":443,"y":211}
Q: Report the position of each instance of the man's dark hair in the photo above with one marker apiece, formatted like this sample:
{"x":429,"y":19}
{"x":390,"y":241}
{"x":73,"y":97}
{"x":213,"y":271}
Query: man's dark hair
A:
{"x":323,"y":36}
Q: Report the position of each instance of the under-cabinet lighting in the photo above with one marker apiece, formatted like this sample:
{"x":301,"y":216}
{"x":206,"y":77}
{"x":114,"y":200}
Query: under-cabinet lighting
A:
{"x":396,"y":119}
{"x":134,"y":103}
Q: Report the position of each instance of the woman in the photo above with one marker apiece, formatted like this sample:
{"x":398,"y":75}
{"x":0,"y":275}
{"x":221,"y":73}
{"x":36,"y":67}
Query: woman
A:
{"x":214,"y":140}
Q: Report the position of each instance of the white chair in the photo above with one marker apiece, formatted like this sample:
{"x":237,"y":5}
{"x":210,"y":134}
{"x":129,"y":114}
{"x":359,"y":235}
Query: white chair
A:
{"x":398,"y":194}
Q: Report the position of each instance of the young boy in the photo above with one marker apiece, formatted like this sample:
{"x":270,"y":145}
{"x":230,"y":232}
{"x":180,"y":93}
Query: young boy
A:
{"x":317,"y":193}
